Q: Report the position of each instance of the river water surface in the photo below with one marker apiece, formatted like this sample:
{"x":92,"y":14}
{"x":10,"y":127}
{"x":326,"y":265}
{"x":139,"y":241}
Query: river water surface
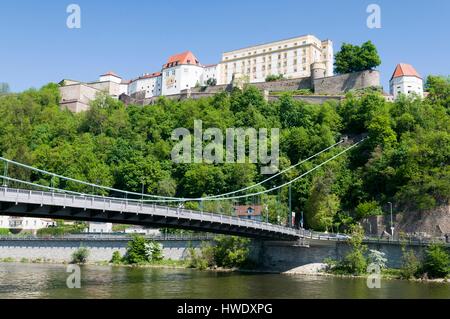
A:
{"x":49,"y":281}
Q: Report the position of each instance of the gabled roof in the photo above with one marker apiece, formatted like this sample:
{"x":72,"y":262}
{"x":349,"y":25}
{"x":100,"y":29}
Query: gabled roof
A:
{"x":111,"y":73}
{"x":252,"y":210}
{"x":182,"y":58}
{"x":404,"y":69}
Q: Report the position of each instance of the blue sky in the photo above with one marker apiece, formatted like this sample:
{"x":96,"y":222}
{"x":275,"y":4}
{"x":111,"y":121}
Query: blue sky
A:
{"x":134,"y":37}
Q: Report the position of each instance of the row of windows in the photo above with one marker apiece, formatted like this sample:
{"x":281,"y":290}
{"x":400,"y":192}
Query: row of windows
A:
{"x":265,"y":50}
{"x":253,"y":73}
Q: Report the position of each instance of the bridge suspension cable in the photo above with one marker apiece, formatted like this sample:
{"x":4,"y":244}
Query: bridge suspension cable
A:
{"x":278,"y":174}
{"x":156,"y":198}
{"x":181,"y":200}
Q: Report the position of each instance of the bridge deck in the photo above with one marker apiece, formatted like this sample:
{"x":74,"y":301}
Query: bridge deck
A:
{"x":30,"y":203}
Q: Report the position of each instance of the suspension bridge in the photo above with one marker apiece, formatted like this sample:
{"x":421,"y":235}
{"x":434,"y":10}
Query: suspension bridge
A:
{"x":22,"y":198}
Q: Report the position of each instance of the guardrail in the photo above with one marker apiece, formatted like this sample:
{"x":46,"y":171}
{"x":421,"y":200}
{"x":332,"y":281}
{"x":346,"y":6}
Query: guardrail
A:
{"x":109,"y":238}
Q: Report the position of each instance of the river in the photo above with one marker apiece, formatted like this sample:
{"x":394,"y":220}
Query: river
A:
{"x":19,"y":280}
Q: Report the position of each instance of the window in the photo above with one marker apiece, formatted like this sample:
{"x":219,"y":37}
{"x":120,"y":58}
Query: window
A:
{"x":295,"y":61}
{"x":285,"y":55}
{"x":279,"y":56}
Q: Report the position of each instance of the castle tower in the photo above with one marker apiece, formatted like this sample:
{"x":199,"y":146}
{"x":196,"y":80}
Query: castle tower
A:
{"x":406,"y":80}
{"x":318,"y":70}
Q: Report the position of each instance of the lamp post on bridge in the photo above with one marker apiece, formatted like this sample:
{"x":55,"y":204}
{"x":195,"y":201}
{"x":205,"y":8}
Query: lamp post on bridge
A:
{"x":392,"y":221}
{"x":290,"y":206}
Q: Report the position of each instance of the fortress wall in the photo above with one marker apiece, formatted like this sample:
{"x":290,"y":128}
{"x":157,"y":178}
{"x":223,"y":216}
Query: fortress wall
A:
{"x":340,"y":84}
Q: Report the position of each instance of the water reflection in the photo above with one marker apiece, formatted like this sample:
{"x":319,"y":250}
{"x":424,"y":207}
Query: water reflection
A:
{"x":49,"y":281}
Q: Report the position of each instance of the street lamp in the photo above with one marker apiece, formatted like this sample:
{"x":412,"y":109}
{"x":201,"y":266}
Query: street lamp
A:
{"x":392,"y":222}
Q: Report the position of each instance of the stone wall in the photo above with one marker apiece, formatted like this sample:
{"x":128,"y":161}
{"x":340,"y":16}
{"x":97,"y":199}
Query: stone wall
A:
{"x":99,"y":250}
{"x":340,"y":84}
{"x":282,"y":257}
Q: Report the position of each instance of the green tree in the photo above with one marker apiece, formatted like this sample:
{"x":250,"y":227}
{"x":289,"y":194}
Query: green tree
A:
{"x":353,"y":58}
{"x":437,"y":261}
{"x":137,"y":251}
{"x":80,"y":256}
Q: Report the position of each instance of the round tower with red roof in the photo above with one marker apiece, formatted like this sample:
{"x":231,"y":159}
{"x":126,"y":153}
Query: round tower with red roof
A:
{"x":406,"y":81}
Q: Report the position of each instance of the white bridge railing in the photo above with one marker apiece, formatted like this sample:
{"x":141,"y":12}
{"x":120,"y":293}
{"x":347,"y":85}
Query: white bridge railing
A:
{"x":90,"y":202}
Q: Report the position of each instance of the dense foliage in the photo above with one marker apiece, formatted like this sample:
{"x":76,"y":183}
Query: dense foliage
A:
{"x":437,"y":261}
{"x":141,"y":250}
{"x":353,"y":58}
{"x":80,"y":255}
{"x":405,"y":160}
{"x":224,"y":252}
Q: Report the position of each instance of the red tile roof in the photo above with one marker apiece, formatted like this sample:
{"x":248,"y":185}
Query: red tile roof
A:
{"x":183,"y":58}
{"x":111,"y":73}
{"x":244,"y":210}
{"x":147,"y":76}
{"x":404,"y":69}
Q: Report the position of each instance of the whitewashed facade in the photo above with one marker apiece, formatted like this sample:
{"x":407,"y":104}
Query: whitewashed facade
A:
{"x":406,"y":81}
{"x":291,"y":58}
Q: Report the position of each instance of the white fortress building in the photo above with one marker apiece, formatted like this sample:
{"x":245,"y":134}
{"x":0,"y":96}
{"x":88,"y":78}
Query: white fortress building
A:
{"x":291,"y":58}
{"x":406,"y":81}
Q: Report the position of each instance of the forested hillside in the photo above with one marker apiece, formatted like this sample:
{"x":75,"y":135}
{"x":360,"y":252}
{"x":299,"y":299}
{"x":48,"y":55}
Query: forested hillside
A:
{"x":406,"y":159}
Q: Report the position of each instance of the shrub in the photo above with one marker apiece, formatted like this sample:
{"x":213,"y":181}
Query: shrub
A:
{"x":273,"y":77}
{"x":154,"y":251}
{"x":116,"y":258}
{"x":437,"y":261}
{"x":230,"y":251}
{"x":196,"y":259}
{"x":211,"y":82}
{"x":80,"y":256}
{"x":4,"y":232}
{"x":410,"y":264}
{"x":137,"y":251}
{"x":141,"y":250}
{"x":378,"y":258}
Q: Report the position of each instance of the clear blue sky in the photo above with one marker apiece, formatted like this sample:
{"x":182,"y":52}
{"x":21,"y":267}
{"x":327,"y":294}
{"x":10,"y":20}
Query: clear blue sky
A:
{"x":132,"y":37}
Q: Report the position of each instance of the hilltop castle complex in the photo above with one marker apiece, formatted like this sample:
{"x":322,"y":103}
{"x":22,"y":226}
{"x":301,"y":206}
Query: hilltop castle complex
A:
{"x":301,"y":63}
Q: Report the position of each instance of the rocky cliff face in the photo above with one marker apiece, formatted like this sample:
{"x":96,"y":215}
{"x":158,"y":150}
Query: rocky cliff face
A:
{"x":433,"y":223}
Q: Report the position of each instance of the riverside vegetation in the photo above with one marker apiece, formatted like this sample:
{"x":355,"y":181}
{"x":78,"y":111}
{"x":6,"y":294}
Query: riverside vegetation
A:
{"x":434,"y":264}
{"x":405,"y":160}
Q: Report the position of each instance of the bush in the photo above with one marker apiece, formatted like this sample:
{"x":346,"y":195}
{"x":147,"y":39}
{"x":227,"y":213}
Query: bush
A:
{"x":197,"y":259}
{"x":116,"y":258}
{"x":211,"y":82}
{"x":437,"y":261}
{"x":410,"y":265}
{"x":141,"y":250}
{"x":378,"y":258}
{"x":4,"y":232}
{"x":80,"y":256}
{"x":137,"y":251}
{"x":230,"y":251}
{"x":273,"y":77}
{"x":154,"y":251}
{"x":354,"y":263}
